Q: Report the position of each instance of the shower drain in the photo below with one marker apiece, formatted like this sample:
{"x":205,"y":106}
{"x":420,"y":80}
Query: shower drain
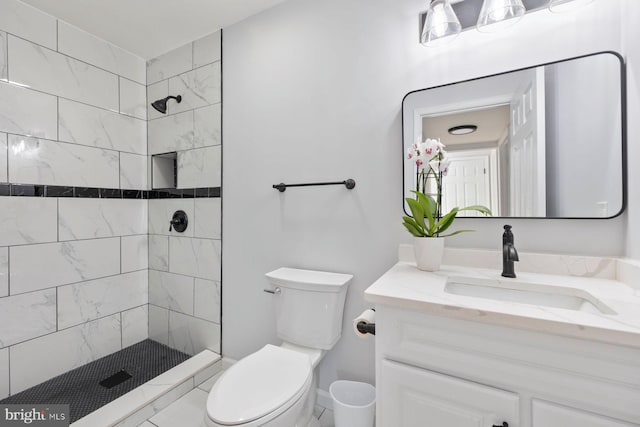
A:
{"x":115,"y":379}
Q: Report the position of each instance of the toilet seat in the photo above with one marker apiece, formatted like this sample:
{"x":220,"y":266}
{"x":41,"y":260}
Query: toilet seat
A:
{"x":260,"y":386}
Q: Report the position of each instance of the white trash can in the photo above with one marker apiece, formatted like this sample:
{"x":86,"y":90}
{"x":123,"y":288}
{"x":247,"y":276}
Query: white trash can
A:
{"x":354,"y":403}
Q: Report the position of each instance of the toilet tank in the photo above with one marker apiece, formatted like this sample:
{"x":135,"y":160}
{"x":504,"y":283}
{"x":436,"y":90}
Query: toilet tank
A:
{"x":309,"y":306}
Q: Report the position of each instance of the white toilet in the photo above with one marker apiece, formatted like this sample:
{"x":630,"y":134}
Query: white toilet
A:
{"x":276,"y":386}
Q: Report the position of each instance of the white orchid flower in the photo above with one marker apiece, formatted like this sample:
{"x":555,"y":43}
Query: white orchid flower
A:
{"x":431,"y":147}
{"x":441,"y":166}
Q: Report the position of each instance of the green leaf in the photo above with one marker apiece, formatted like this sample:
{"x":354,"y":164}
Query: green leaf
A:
{"x":417,"y":212}
{"x":458,"y":232}
{"x":428,"y":205}
{"x":411,"y":221}
{"x":412,"y":227}
{"x":479,"y":208}
{"x":446,"y":221}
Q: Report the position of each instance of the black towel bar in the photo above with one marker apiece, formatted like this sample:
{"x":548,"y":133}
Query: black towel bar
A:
{"x":349,"y":183}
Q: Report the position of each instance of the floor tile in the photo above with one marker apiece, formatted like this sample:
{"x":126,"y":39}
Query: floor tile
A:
{"x":206,"y":386}
{"x":318,"y":410}
{"x":326,"y":420}
{"x":188,"y":411}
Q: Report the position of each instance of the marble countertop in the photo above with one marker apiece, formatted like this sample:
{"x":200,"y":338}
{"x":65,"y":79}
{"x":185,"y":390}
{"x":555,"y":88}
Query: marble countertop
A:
{"x":404,"y":286}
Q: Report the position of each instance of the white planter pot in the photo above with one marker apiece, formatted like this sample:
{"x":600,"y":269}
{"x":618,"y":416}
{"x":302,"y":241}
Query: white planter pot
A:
{"x":429,"y":252}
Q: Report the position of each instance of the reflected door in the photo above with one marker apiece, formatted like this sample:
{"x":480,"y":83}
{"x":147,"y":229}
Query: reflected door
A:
{"x":527,"y":153}
{"x":466,"y":184}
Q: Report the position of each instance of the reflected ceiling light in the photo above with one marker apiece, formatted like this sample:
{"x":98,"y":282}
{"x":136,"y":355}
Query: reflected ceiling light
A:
{"x":498,"y":14}
{"x":564,"y":5}
{"x":463,"y":129}
{"x":441,"y":25}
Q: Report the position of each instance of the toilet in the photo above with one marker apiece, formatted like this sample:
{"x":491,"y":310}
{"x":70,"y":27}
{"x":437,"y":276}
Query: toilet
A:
{"x":276,"y":385}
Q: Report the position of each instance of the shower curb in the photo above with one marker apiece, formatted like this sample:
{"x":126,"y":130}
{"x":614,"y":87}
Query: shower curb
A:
{"x":135,"y":407}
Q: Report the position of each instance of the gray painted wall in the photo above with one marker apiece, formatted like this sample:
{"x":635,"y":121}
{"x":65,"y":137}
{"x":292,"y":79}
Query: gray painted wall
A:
{"x":313,"y":92}
{"x":630,"y":41}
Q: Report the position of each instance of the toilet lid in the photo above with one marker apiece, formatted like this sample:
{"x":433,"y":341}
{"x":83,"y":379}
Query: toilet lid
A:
{"x":258,"y":385}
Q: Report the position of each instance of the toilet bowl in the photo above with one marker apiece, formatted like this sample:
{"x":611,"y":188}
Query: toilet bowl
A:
{"x":276,"y":386}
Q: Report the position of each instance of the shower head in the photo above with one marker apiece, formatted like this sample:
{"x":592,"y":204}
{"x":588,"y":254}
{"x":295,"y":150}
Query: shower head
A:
{"x":161,"y":104}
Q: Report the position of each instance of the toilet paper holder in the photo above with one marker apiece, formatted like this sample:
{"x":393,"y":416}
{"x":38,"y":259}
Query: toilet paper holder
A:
{"x":365,"y":324}
{"x":366,"y":328}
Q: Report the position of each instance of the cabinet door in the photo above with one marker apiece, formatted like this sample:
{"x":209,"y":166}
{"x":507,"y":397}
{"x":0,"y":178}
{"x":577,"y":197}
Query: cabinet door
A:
{"x":414,"y":397}
{"x":546,"y":414}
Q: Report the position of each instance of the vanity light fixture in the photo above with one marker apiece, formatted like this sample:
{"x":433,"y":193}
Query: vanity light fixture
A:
{"x":565,"y":5}
{"x":463,"y":129}
{"x":499,"y":14}
{"x":441,"y":25}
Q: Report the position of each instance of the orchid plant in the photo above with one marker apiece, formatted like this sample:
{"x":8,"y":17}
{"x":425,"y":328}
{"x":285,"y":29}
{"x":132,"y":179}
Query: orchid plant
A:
{"x":431,"y":164}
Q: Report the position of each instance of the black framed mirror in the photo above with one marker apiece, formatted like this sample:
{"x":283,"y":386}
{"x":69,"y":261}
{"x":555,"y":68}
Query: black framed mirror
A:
{"x":546,"y":141}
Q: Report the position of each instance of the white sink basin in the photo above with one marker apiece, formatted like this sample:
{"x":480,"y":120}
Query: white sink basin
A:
{"x":527,"y":293}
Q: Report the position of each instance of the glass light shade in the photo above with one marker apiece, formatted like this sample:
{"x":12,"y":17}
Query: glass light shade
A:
{"x":565,"y":5}
{"x":496,"y":15}
{"x":441,"y":25}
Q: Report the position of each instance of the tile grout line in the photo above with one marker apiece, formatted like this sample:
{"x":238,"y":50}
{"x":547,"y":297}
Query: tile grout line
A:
{"x":58,"y":219}
{"x":173,"y":76}
{"x":9,"y":363}
{"x":119,"y":97}
{"x":57,"y":311}
{"x":80,"y":60}
{"x":7,"y":154}
{"x":121,"y":332}
{"x":70,"y":327}
{"x":119,"y":170}
{"x":78,"y":283}
{"x":77,"y":59}
{"x":86,"y":239}
{"x":6,"y":45}
{"x":8,"y":271}
{"x":183,"y":314}
{"x":58,"y":119}
{"x":73,"y":143}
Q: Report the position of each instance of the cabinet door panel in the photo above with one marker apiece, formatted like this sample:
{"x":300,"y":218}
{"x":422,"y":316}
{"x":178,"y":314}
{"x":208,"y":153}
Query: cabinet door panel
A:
{"x":546,"y":414}
{"x":414,"y":397}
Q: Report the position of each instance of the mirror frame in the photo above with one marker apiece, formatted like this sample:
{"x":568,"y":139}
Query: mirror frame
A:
{"x":623,"y":130}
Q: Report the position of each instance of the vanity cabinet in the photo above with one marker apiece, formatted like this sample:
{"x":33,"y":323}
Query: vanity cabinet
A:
{"x":547,"y":414}
{"x":415,"y":397}
{"x":440,"y":371}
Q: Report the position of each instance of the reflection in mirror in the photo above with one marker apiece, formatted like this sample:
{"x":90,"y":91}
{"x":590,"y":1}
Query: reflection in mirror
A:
{"x":540,"y":142}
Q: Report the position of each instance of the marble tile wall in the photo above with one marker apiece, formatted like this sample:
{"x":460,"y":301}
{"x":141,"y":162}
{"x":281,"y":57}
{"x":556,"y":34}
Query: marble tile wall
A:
{"x":73,"y":271}
{"x":184,"y":275}
{"x":184,"y":268}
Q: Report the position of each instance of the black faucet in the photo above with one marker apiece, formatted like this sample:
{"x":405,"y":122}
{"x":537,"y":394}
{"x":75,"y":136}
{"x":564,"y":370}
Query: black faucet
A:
{"x":509,"y":253}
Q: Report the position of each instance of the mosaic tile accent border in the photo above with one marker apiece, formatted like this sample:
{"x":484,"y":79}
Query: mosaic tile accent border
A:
{"x":105,"y":193}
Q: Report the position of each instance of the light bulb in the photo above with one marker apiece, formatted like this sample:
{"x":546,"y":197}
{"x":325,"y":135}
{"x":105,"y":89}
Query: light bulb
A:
{"x":499,"y":14}
{"x":441,"y":25}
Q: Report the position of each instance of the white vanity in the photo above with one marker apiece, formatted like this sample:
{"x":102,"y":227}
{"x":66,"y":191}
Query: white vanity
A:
{"x":464,"y":347}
